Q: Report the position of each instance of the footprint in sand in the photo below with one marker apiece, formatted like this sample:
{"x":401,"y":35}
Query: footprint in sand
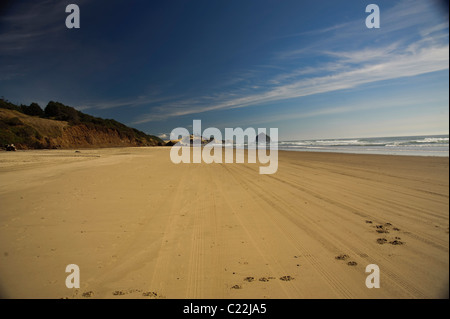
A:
{"x":396,"y":241}
{"x":381,"y":229}
{"x":345,"y":257}
{"x":286,"y":278}
{"x":150,"y":294}
{"x":88,"y":294}
{"x":384,"y":229}
{"x":342,"y":257}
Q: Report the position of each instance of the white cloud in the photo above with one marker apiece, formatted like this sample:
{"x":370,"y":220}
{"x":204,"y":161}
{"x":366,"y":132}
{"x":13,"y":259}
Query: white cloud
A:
{"x":395,"y":65}
{"x":420,"y":48}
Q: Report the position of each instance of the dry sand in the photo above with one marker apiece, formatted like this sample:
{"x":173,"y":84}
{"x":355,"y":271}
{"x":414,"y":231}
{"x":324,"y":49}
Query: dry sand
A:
{"x":139,"y":226}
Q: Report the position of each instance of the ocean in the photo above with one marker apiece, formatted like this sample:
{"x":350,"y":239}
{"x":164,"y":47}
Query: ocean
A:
{"x":428,"y":145}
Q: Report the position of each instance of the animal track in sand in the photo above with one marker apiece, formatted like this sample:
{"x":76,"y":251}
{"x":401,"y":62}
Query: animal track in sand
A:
{"x":345,"y":257}
{"x":129,"y":291}
{"x":384,"y":229}
{"x":286,"y":278}
{"x":342,"y":257}
{"x":88,"y":294}
{"x":150,"y":294}
{"x":381,"y":229}
{"x":262,"y":279}
{"x":396,"y":241}
{"x":124,"y":292}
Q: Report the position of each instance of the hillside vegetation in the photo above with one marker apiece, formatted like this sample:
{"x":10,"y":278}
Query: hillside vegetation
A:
{"x":62,"y":126}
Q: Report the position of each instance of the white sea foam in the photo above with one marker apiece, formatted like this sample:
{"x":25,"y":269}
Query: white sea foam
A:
{"x":437,"y":145}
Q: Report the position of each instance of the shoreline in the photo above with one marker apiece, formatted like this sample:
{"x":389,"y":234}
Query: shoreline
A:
{"x":397,"y":152}
{"x":366,"y":153}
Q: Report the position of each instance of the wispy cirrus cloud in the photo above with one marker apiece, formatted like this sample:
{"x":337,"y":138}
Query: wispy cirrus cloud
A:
{"x":338,"y":108}
{"x":413,"y":16}
{"x":407,"y":44}
{"x":341,"y":75}
{"x":125,"y":102}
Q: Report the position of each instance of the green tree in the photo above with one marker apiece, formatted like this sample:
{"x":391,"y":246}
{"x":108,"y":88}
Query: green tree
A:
{"x":61,"y":112}
{"x":33,"y":109}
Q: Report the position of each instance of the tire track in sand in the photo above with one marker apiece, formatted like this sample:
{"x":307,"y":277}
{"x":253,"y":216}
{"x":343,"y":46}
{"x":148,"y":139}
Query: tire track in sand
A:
{"x":290,"y":234}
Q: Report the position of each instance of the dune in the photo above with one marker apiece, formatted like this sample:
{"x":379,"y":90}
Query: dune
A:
{"x":139,"y":226}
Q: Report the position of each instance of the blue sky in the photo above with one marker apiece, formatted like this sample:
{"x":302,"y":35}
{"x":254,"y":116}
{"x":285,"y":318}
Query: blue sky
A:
{"x":310,"y":68}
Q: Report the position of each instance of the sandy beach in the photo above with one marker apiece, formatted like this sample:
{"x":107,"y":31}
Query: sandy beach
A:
{"x":139,"y":226}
